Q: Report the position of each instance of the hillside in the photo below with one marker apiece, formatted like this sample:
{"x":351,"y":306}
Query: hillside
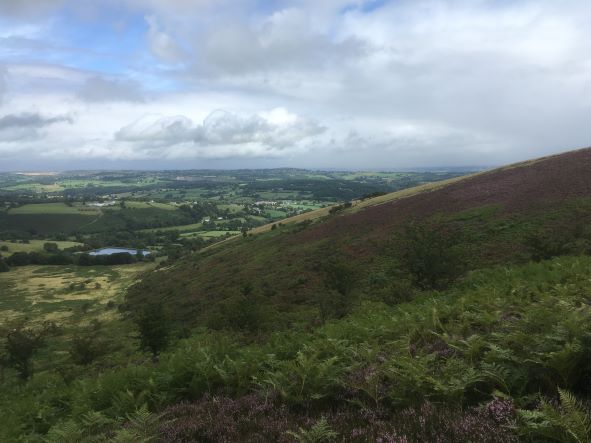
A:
{"x":456,"y":312}
{"x":498,"y":212}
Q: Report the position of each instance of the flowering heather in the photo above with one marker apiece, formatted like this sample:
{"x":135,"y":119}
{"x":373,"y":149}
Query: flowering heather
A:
{"x":255,"y":419}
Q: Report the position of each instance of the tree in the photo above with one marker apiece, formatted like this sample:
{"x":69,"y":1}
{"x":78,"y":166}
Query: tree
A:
{"x":4,"y":266}
{"x":50,"y":247}
{"x":153,"y":323}
{"x":85,"y":349}
{"x":21,"y":345}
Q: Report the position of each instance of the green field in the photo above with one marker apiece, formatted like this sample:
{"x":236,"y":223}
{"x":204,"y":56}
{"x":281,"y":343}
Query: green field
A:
{"x":33,"y":246}
{"x":54,"y":208}
{"x":35,"y":187}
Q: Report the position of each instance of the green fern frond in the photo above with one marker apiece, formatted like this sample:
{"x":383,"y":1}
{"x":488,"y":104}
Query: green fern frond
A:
{"x":576,"y":417}
{"x":319,"y":433}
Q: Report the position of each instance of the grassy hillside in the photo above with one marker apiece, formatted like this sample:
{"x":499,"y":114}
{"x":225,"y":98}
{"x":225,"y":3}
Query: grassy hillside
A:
{"x":498,"y":215}
{"x":457,"y":312}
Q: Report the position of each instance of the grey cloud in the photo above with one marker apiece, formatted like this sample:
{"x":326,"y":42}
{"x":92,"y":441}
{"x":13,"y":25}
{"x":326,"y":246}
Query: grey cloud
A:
{"x":26,"y":126}
{"x":28,"y":8}
{"x":100,"y":89}
{"x":2,"y":83}
{"x":30,"y":120}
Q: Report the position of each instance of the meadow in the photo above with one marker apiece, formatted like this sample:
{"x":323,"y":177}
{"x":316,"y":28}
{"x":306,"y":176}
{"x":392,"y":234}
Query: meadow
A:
{"x":8,"y":248}
{"x":69,"y":295}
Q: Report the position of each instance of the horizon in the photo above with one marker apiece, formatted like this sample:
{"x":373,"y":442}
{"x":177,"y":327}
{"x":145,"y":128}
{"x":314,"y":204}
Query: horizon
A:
{"x":279,"y":168}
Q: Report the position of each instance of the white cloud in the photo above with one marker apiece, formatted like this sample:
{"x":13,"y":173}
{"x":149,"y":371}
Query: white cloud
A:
{"x":221,"y":133}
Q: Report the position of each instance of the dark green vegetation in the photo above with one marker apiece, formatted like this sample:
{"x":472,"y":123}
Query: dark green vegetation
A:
{"x":457,"y":314}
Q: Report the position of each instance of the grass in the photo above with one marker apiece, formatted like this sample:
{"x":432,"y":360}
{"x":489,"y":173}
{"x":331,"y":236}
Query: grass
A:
{"x":42,"y":293}
{"x":34,"y":246}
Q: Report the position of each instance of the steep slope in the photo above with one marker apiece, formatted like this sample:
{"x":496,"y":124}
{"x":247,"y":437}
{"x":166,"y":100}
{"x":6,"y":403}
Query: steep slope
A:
{"x":498,"y":212}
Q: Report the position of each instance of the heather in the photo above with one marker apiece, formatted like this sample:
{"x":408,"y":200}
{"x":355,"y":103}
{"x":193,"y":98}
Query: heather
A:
{"x":501,"y":355}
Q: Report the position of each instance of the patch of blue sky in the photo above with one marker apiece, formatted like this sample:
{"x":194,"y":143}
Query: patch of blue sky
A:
{"x":107,"y":45}
{"x":367,"y":6}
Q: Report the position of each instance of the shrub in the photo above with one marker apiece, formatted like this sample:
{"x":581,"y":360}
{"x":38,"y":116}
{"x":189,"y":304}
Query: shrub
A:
{"x":86,"y":348}
{"x":431,"y":254}
{"x":154,"y":327}
{"x":21,"y":345}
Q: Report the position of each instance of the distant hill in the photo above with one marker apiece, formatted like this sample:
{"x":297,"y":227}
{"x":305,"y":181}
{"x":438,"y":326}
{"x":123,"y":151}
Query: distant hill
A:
{"x":503,"y":215}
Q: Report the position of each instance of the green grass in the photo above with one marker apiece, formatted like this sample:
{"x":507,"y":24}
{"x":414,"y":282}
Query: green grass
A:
{"x":35,"y":187}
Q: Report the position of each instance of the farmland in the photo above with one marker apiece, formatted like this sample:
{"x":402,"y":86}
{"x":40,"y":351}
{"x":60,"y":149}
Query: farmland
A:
{"x":139,"y":209}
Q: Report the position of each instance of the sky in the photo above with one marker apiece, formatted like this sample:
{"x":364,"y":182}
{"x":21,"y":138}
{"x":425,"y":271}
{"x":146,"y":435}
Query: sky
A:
{"x":356,"y":84}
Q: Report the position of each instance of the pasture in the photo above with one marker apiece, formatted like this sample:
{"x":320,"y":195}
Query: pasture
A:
{"x":33,"y":246}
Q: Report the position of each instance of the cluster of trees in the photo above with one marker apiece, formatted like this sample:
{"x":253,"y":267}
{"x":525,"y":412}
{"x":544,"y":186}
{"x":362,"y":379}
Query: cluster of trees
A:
{"x":68,"y":258}
{"x":339,"y":208}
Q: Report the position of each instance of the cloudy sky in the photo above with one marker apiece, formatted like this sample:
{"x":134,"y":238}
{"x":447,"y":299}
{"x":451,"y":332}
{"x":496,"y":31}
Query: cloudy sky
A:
{"x":300,"y":83}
